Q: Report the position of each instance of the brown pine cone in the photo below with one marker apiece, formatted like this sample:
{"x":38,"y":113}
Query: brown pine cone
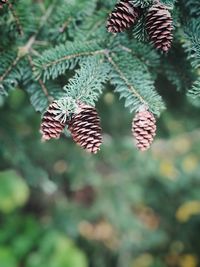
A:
{"x":122,"y":17}
{"x":144,"y":129}
{"x":51,"y":126}
{"x":159,"y":26}
{"x":85,"y":128}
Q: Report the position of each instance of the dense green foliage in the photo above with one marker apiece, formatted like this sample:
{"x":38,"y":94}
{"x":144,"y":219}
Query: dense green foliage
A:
{"x":60,"y":206}
{"x":45,"y":40}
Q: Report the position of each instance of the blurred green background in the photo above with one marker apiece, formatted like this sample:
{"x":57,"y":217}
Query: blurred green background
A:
{"x":61,"y":207}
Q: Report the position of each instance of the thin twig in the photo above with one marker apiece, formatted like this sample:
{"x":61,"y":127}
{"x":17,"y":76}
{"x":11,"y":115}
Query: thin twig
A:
{"x":97,"y":52}
{"x":10,"y":67}
{"x":44,"y":89}
{"x":123,"y":77}
{"x":27,"y":48}
{"x":45,"y":17}
{"x":95,"y":27}
{"x":124,"y":48}
{"x":16,"y":18}
{"x":65,"y":25}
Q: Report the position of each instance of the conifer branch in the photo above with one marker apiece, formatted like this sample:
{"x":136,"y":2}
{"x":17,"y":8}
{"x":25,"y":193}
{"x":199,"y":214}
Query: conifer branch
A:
{"x":72,"y":56}
{"x":132,"y":66}
{"x":65,"y":25}
{"x":10,"y":67}
{"x":97,"y":25}
{"x":87,"y":84}
{"x":42,"y":85}
{"x":126,"y":49}
{"x":32,"y":39}
{"x":27,"y":49}
{"x":123,"y":77}
{"x":56,"y":61}
{"x":16,"y":18}
{"x":45,"y":90}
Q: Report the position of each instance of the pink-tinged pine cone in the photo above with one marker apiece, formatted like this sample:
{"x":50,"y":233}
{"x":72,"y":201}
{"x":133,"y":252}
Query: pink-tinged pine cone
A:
{"x":159,"y":27}
{"x":85,"y":129}
{"x":122,"y":17}
{"x":144,"y":129}
{"x":51,"y":126}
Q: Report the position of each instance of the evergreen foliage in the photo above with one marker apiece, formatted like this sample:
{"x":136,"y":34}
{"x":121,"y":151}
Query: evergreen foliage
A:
{"x":42,"y":44}
{"x":87,"y":84}
{"x":120,"y":207}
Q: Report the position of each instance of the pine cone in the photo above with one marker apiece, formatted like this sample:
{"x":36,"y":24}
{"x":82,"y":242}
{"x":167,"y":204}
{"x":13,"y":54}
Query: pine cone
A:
{"x":122,"y":17}
{"x":85,"y":129}
{"x":51,"y":127}
{"x":159,"y":26}
{"x":144,"y":129}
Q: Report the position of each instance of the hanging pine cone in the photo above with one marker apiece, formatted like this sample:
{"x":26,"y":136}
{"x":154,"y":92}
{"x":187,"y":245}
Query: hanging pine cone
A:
{"x":122,"y":17}
{"x":85,"y":129}
{"x":144,"y":129}
{"x":159,"y":26}
{"x":51,"y":126}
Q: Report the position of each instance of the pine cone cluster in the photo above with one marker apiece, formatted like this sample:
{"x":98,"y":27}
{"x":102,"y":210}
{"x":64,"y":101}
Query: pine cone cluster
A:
{"x":86,"y":130}
{"x":144,"y":129}
{"x":51,"y":126}
{"x":159,"y":27}
{"x":158,"y":21}
{"x":84,"y":126}
{"x":122,"y":17}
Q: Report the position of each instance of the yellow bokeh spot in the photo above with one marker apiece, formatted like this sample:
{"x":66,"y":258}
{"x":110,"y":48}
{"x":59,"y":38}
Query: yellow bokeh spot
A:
{"x":188,"y":260}
{"x":187,"y":210}
{"x":177,"y":247}
{"x":60,"y":167}
{"x":190,"y":163}
{"x":182,"y":145}
{"x":168,"y":169}
{"x":144,"y":260}
{"x":175,"y":126}
{"x":109,"y":98}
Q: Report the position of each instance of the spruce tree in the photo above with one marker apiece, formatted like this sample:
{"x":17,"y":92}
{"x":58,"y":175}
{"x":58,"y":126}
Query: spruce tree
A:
{"x":63,"y":53}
